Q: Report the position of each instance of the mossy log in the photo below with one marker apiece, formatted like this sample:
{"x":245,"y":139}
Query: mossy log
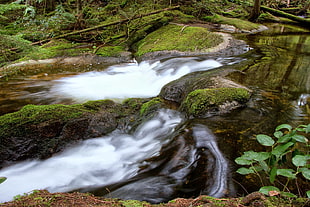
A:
{"x":301,"y":20}
{"x":122,"y":21}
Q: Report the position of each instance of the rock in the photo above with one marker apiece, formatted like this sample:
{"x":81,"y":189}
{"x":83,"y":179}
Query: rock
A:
{"x":101,"y":124}
{"x":208,"y":93}
{"x":214,"y":101}
{"x":38,"y":132}
{"x":254,"y":199}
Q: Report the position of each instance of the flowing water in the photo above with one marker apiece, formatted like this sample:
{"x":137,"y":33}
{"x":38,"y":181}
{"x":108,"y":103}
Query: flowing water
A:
{"x":116,"y":82}
{"x":167,"y":156}
{"x":100,"y":161}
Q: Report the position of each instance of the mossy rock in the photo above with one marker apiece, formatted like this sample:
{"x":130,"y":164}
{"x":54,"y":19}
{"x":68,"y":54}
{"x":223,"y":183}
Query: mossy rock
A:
{"x":110,"y":51}
{"x":176,"y":37}
{"x":151,"y":106}
{"x":39,"y":131}
{"x":18,"y":123}
{"x":58,"y":48}
{"x":15,"y":124}
{"x":213,"y":101}
{"x":242,"y":25}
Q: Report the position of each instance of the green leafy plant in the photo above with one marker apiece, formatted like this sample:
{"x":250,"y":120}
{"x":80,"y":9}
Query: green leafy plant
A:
{"x":2,"y":179}
{"x":287,"y":156}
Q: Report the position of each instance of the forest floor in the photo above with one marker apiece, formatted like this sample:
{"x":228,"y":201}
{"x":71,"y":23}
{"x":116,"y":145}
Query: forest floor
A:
{"x":43,"y":198}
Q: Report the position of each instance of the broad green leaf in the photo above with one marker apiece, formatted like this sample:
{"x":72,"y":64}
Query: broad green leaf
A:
{"x":264,"y":165}
{"x":286,"y":138}
{"x":308,"y":193}
{"x":288,"y":195}
{"x":301,"y":128}
{"x":257,"y":156}
{"x":273,"y":174}
{"x":304,"y":128}
{"x":250,"y":155}
{"x":265,"y":140}
{"x":305,"y":172}
{"x":262,"y":156}
{"x":2,"y":179}
{"x":284,"y":126}
{"x":242,"y":161}
{"x":256,"y":168}
{"x":289,"y":173}
{"x":266,"y":189}
{"x":307,"y":129}
{"x":280,"y":149}
{"x":300,"y":138}
{"x":278,"y":134}
{"x":245,"y":171}
{"x":300,"y":160}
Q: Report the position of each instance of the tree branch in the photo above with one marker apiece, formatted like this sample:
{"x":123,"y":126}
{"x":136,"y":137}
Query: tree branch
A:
{"x":286,"y":15}
{"x":122,"y":21}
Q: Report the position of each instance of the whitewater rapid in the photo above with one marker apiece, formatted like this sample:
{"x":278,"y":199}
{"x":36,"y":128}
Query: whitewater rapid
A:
{"x":98,"y":161}
{"x":118,"y":82}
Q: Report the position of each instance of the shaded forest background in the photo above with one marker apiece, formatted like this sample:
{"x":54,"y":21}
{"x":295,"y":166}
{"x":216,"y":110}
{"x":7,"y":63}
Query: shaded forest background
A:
{"x":24,"y":23}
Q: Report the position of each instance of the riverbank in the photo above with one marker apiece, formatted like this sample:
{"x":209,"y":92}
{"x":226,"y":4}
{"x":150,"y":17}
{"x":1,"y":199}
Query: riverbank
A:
{"x":44,"y":198}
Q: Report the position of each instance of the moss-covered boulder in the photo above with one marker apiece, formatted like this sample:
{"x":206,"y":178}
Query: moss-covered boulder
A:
{"x":175,"y":38}
{"x":234,"y":25}
{"x":206,"y":93}
{"x":39,"y":131}
{"x":151,"y":106}
{"x":213,"y":101}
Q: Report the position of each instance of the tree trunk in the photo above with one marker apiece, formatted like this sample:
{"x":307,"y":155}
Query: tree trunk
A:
{"x":301,"y":20}
{"x":255,"y":11}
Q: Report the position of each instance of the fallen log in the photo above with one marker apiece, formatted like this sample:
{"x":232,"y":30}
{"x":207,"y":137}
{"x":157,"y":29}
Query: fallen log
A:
{"x":286,"y":15}
{"x":122,"y":21}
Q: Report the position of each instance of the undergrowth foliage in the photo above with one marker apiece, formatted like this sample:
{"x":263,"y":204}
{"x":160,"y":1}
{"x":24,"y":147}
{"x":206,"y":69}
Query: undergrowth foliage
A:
{"x":287,"y":155}
{"x":2,"y":179}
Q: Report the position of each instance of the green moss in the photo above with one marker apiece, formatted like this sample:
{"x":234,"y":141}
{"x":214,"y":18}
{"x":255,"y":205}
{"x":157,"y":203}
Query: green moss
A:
{"x":150,"y":105}
{"x":110,"y":51}
{"x":18,"y":123}
{"x":175,"y":37}
{"x":57,"y":48}
{"x":200,"y":101}
{"x":13,"y":124}
{"x":238,"y":23}
{"x":98,"y":104}
{"x":134,"y":103}
{"x":180,"y":17}
{"x":134,"y":203}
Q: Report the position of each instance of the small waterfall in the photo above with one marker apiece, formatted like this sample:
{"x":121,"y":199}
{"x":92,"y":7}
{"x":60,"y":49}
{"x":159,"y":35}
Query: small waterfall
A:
{"x":99,"y":161}
{"x":123,"y":81}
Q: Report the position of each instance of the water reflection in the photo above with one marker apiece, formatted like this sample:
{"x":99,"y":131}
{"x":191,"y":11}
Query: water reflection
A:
{"x":283,"y":65}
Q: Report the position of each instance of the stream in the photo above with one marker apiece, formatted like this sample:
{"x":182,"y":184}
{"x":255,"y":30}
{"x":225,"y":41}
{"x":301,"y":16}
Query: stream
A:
{"x":167,"y":156}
